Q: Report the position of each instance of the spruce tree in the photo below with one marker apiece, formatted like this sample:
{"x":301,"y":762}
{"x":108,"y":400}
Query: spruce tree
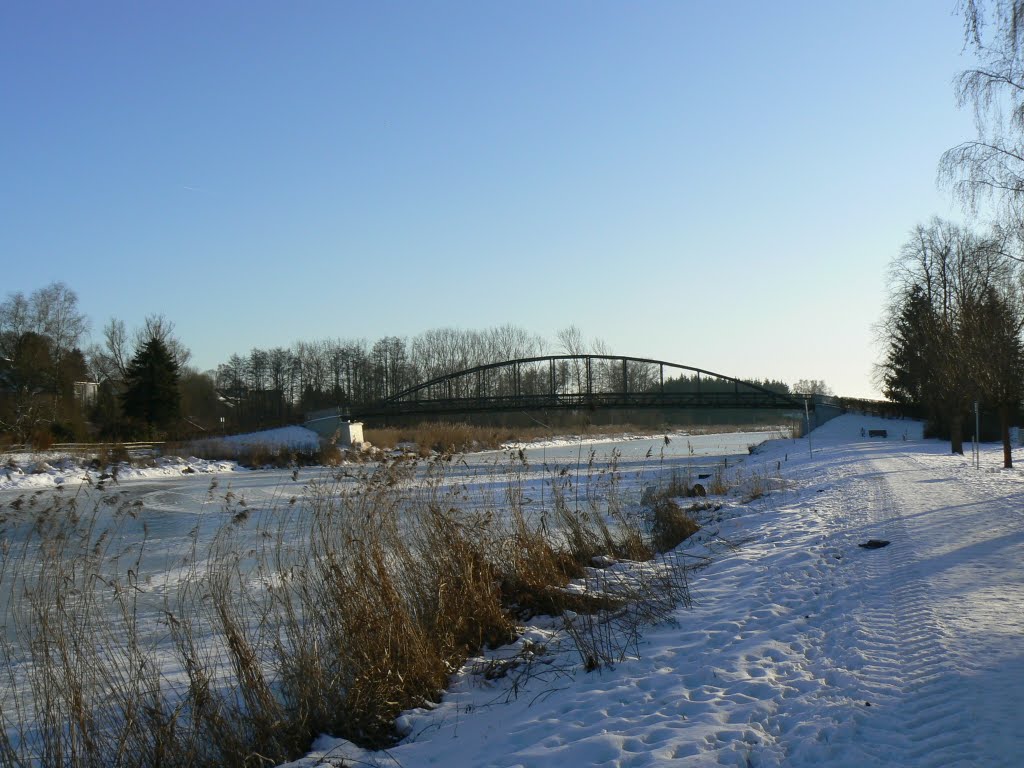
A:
{"x":151,"y":393}
{"x":909,"y":375}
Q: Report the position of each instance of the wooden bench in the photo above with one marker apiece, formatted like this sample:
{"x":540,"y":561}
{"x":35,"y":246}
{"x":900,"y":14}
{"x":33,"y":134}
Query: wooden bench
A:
{"x":878,"y":433}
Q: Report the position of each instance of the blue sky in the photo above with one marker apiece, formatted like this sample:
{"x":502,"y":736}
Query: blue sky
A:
{"x":714,"y":184}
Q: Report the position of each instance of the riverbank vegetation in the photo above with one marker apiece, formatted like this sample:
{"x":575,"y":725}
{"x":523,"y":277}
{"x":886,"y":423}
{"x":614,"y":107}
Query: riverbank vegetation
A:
{"x":331,"y":613}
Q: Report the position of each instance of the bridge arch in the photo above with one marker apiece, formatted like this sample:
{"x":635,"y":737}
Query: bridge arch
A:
{"x":577,"y":382}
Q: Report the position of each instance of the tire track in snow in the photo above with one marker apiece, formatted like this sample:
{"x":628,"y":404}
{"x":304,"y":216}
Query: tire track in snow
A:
{"x":967,"y":527}
{"x":917,"y":716}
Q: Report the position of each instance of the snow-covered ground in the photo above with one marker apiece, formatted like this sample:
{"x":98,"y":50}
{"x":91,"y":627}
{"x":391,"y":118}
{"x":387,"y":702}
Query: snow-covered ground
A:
{"x":802,"y":648}
{"x":757,"y":433}
{"x":47,"y":469}
{"x":25,"y":471}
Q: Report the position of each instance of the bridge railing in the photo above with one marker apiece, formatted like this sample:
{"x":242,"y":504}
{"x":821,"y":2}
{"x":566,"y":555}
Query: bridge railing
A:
{"x":575,"y":401}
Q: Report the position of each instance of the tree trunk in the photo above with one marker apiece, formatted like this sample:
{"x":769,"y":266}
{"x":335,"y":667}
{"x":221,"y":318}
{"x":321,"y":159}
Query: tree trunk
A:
{"x":1004,"y":423}
{"x":956,"y":432}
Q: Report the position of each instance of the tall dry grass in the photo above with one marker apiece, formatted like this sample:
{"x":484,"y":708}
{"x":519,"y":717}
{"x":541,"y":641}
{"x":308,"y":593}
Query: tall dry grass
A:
{"x":258,"y":454}
{"x":331,"y":613}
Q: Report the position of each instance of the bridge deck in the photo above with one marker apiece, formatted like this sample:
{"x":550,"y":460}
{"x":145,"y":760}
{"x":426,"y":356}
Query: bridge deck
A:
{"x":575,"y":382}
{"x":593,"y":401}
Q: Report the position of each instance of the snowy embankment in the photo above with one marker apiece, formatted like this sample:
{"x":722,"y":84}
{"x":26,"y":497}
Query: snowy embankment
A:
{"x":802,"y":648}
{"x":574,"y":440}
{"x":49,"y":469}
{"x":40,"y":471}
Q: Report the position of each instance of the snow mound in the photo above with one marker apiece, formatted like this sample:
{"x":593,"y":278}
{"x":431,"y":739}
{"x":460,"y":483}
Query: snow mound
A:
{"x":68,"y":470}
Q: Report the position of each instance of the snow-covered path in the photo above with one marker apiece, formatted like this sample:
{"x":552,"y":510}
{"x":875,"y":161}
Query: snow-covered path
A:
{"x":940,"y":629}
{"x":803,"y":649}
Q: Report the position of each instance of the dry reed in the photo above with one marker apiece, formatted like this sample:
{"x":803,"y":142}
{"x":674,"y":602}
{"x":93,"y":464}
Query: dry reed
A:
{"x":331,"y":613}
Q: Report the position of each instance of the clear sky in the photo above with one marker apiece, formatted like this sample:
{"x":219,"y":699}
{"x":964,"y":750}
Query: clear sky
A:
{"x":715,"y":184}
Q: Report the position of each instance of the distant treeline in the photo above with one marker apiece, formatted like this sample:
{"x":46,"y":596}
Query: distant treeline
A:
{"x":269,"y":386}
{"x":697,"y":383}
{"x":54,"y":388}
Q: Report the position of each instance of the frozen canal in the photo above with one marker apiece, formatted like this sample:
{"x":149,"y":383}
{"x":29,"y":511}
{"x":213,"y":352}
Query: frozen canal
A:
{"x":106,"y":561}
{"x":169,"y":530}
{"x":180,"y":516}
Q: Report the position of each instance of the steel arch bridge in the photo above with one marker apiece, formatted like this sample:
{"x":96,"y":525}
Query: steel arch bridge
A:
{"x":576,"y":382}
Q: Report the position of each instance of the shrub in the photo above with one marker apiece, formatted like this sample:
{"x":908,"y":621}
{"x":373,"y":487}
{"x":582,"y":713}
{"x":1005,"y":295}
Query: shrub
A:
{"x":679,"y":484}
{"x":670,"y":525}
{"x":757,"y":487}
{"x":329,"y":455}
{"x":41,"y":439}
{"x":260,"y":454}
{"x":111,"y":456}
{"x":718,"y":485}
{"x":62,"y":433}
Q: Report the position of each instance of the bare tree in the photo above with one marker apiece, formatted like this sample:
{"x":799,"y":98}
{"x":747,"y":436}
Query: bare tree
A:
{"x":110,"y":361}
{"x":160,"y":328}
{"x":441,"y":351}
{"x":510,"y":342}
{"x":968,"y":285}
{"x":992,"y":332}
{"x":51,"y":312}
{"x":230,"y":383}
{"x":49,"y":322}
{"x":56,"y":315}
{"x":258,"y":369}
{"x":812,"y":387}
{"x":14,"y":322}
{"x":991,"y":166}
{"x":278,"y":366}
{"x":570,"y":342}
{"x":390,"y":365}
{"x":315,"y":372}
{"x":605,"y":375}
{"x":608,"y":373}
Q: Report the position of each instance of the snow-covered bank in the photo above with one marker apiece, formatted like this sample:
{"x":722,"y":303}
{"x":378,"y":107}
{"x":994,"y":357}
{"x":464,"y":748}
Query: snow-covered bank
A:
{"x":48,"y":469}
{"x":755,"y":434}
{"x":29,"y":471}
{"x":803,"y":648}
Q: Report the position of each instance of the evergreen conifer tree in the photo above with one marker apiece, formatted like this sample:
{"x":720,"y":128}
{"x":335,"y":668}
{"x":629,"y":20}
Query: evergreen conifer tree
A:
{"x":909,"y":377}
{"x":151,"y":393}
